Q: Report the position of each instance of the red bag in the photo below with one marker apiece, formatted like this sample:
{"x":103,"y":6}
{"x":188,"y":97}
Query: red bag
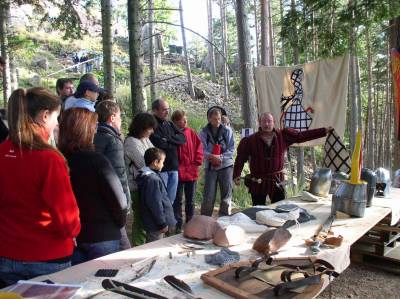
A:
{"x":216,"y":149}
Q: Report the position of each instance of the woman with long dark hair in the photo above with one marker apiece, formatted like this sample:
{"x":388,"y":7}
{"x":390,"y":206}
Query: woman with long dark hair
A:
{"x":135,"y":145}
{"x":97,"y":188}
{"x":39,"y":217}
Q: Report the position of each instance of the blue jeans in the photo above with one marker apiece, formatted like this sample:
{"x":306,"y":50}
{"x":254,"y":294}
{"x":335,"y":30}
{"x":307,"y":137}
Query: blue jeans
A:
{"x":89,"y":251}
{"x":170,"y":179}
{"x":11,"y":271}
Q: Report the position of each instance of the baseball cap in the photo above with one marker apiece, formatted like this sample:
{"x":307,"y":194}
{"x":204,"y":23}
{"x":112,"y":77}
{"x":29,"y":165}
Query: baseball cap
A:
{"x":87,"y":85}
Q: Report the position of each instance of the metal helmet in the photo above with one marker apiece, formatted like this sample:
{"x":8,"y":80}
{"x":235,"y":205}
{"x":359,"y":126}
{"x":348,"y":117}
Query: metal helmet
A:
{"x":337,"y":179}
{"x":396,"y":179}
{"x":369,"y":176}
{"x":383,"y":182}
{"x":321,"y":182}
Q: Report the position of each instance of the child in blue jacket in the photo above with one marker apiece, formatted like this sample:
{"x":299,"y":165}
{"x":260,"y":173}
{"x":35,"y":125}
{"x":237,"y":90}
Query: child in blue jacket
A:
{"x":156,"y":208}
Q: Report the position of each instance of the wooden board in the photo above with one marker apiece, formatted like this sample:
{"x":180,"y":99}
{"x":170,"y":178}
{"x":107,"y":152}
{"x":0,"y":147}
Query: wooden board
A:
{"x":224,"y":280}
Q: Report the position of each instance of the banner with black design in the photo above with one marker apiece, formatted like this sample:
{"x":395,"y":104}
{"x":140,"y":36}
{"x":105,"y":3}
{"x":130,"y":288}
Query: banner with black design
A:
{"x":305,"y":96}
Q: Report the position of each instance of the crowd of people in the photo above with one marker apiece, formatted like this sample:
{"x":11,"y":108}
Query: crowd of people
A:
{"x":68,"y":179}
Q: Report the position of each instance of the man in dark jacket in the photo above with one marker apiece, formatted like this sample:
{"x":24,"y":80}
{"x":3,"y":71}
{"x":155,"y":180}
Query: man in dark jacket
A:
{"x":108,"y":142}
{"x":156,"y":208}
{"x":167,"y":137}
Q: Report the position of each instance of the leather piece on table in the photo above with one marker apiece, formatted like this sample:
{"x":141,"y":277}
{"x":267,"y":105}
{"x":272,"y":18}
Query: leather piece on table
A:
{"x":271,"y":241}
{"x":201,"y":227}
{"x":230,"y":236}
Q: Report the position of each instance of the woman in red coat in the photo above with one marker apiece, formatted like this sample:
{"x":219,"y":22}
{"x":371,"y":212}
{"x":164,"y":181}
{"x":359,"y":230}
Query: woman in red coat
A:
{"x":39,"y":217}
{"x":190,"y":157}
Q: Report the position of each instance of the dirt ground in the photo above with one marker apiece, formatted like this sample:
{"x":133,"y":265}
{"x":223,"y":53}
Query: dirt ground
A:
{"x":357,"y":281}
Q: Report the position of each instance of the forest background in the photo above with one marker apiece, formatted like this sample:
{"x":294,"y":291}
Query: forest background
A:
{"x":39,"y":37}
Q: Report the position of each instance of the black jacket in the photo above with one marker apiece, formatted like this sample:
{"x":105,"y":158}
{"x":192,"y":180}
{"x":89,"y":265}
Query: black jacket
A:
{"x":3,"y":131}
{"x":168,"y":137}
{"x":156,"y":208}
{"x":100,"y":198}
{"x":108,"y":142}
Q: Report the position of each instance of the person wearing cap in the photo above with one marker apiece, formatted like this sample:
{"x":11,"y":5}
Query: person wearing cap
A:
{"x":85,"y":96}
{"x":89,"y":77}
{"x":219,"y":145}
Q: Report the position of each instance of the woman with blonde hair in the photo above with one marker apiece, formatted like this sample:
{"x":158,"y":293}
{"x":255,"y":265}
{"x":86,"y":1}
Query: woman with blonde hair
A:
{"x":39,"y":217}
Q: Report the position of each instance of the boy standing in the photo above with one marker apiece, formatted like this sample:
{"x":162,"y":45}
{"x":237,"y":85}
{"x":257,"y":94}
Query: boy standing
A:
{"x":108,"y":142}
{"x":157,"y":212}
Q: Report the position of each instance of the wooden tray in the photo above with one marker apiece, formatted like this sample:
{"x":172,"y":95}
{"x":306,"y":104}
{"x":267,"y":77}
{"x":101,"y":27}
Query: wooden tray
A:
{"x":224,"y":280}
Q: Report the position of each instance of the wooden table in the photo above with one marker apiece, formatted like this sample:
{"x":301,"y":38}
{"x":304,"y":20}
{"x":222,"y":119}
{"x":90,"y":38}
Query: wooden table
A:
{"x":190,"y":268}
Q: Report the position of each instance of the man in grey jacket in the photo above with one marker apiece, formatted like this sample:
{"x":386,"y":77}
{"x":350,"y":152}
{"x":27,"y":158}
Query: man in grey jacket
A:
{"x":218,"y":145}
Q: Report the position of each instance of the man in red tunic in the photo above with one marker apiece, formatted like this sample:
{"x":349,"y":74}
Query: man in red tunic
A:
{"x":265,"y":151}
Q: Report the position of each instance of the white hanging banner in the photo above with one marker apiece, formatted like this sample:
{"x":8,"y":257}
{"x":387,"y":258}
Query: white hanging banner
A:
{"x":305,"y":96}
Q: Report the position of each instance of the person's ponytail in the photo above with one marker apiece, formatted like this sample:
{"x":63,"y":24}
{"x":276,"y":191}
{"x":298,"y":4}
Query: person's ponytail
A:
{"x":23,"y":107}
{"x":18,"y":119}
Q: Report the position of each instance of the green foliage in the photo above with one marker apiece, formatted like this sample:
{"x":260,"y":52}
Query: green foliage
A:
{"x":123,"y":98}
{"x":168,"y":32}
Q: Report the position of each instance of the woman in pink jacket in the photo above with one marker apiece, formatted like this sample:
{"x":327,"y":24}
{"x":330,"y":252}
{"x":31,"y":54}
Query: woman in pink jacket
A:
{"x":190,"y":157}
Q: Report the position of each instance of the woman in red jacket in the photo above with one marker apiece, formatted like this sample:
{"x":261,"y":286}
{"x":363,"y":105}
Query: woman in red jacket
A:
{"x":190,"y":157}
{"x":39,"y":217}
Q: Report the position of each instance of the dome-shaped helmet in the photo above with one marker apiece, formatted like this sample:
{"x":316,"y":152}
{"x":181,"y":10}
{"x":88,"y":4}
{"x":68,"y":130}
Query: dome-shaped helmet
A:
{"x":383,"y":182}
{"x":321,"y":182}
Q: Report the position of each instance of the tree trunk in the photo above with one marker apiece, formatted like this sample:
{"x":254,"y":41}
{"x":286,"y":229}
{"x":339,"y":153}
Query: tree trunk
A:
{"x":136,"y":60}
{"x":211,"y":54}
{"x":358,"y":89}
{"x":153,"y":93}
{"x":13,"y":72}
{"x":249,"y":106}
{"x":225,"y":69}
{"x":313,"y":53}
{"x":188,"y":73}
{"x":388,"y":120}
{"x":271,"y":36}
{"x":294,"y":42}
{"x":283,"y":58}
{"x":394,"y":42}
{"x":4,"y":12}
{"x":13,"y":67}
{"x":314,"y":36}
{"x":256,"y":22}
{"x":265,"y":34}
{"x":369,"y":136}
{"x":376,"y":113}
{"x":107,"y":39}
{"x":352,"y":81}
